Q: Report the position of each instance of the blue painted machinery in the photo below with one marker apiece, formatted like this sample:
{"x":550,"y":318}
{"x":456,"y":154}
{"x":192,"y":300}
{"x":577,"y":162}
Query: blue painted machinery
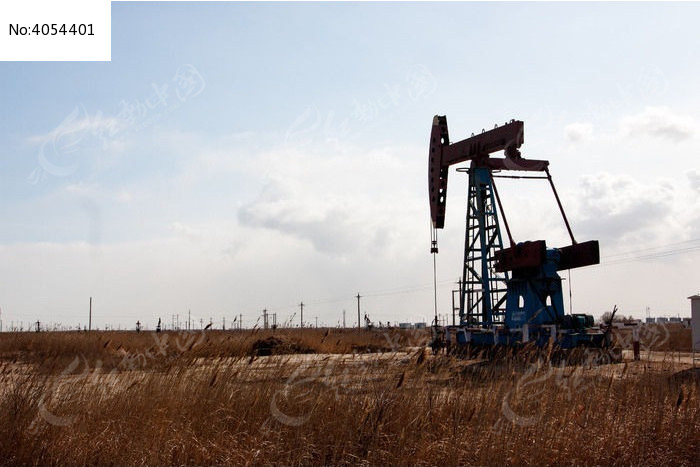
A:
{"x":508,"y":296}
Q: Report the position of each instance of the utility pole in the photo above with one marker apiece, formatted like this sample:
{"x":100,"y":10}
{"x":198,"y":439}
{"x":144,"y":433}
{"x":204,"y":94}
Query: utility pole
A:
{"x":455,"y":306}
{"x":264,"y":318}
{"x":90,"y":320}
{"x":189,"y":323}
{"x":316,"y":322}
{"x":301,"y":305}
{"x":223,"y":324}
{"x":358,"y":310}
{"x":240,"y":321}
{"x":343,"y":319}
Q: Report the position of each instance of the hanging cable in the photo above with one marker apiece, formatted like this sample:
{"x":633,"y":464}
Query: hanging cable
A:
{"x":433,"y":251}
{"x":435,"y":287}
{"x":433,"y":239}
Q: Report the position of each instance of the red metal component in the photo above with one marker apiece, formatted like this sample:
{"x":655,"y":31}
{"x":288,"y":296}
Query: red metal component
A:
{"x":437,"y":171}
{"x":533,"y":254}
{"x":476,"y":149}
{"x":579,"y":255}
{"x":523,"y":255}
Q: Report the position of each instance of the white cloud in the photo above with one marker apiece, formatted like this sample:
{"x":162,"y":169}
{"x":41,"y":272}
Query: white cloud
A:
{"x":330,"y":228}
{"x":624,"y":212}
{"x":80,"y":188}
{"x":187,"y":231}
{"x":341,"y":200}
{"x":578,"y":131}
{"x":694,"y":179}
{"x":79,"y":143}
{"x":123,"y":196}
{"x":234,"y":228}
{"x":317,"y":222}
{"x":78,"y":124}
{"x":660,"y":122}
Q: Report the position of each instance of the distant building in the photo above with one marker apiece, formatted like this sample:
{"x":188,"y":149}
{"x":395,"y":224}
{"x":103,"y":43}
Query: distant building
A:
{"x":662,"y":320}
{"x":405,"y":325}
{"x":674,"y":319}
{"x":420,"y":326}
{"x":650,"y":320}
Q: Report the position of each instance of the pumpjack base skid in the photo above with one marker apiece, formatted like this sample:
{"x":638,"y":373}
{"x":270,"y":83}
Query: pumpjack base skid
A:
{"x":539,"y":336}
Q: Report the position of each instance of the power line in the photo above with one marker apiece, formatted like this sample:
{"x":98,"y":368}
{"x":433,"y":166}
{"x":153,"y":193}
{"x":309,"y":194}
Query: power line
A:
{"x":617,"y":258}
{"x":375,"y":293}
{"x":657,"y":255}
{"x":634,"y":252}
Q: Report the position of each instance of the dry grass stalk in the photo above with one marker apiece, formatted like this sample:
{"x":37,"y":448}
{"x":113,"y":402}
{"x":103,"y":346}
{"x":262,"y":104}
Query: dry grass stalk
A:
{"x":212,"y":401}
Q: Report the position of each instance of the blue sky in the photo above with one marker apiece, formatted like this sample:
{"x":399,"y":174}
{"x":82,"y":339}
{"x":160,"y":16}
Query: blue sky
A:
{"x":234,"y":156}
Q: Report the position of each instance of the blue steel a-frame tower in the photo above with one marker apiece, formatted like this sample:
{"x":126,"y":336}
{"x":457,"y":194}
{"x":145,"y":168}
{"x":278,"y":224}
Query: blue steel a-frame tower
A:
{"x":483,"y":299}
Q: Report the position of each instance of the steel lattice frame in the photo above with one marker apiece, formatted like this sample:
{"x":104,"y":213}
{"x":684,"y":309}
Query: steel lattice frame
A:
{"x":483,"y":288}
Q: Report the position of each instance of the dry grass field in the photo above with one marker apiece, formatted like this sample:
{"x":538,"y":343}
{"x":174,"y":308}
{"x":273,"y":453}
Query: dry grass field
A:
{"x":329,"y":397}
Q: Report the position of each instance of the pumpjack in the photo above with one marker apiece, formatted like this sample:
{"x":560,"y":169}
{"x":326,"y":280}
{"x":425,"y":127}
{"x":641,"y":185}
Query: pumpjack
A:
{"x":509,"y":296}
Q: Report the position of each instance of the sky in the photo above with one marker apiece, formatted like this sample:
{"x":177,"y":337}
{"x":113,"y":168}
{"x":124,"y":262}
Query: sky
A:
{"x":235,"y":157}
